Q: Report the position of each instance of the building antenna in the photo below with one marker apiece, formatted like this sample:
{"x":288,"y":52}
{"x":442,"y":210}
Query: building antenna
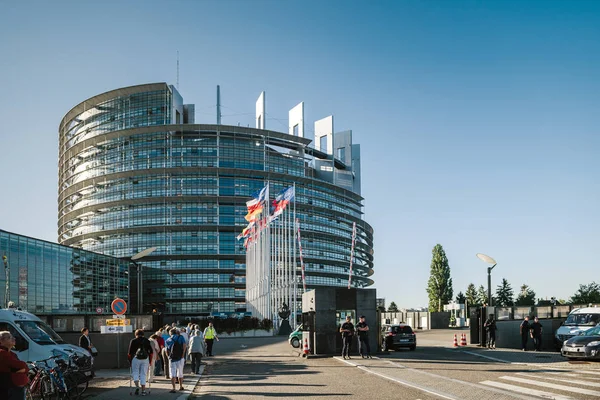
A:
{"x":177,"y":69}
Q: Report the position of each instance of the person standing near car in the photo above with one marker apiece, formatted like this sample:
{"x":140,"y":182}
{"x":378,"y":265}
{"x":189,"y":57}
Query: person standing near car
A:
{"x":347,"y":331}
{"x":490,"y":328}
{"x":363,"y":338}
{"x":524,"y":329}
{"x":536,"y":334}
{"x":13,"y":372}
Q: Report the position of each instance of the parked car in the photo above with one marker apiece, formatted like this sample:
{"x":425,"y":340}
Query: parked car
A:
{"x":295,"y":337}
{"x":585,"y":345}
{"x":398,"y":336}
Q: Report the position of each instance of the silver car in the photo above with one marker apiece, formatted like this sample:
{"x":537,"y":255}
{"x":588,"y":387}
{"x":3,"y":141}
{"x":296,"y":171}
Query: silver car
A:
{"x":586,"y":345}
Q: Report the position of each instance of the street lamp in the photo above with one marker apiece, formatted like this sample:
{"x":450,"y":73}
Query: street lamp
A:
{"x":488,"y":260}
{"x":140,"y":295}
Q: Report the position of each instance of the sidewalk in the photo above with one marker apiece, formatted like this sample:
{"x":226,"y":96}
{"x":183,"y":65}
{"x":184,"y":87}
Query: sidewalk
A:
{"x":114,"y":384}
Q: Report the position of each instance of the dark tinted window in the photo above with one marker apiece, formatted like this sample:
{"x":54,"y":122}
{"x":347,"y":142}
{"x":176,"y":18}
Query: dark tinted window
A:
{"x":402,"y":329}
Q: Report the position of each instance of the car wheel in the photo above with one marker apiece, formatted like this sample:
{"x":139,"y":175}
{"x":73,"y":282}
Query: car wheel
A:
{"x":295,"y":342}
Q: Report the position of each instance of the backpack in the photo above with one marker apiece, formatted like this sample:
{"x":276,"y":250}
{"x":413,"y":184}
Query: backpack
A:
{"x":176,"y":352}
{"x":141,"y":353}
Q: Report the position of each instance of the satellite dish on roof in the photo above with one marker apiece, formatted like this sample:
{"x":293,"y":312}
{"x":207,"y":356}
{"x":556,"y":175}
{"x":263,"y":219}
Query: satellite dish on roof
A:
{"x":143,"y":253}
{"x":485,"y":258}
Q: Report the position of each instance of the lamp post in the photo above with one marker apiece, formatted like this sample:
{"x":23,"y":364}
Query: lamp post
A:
{"x":140,"y":295}
{"x":488,"y":260}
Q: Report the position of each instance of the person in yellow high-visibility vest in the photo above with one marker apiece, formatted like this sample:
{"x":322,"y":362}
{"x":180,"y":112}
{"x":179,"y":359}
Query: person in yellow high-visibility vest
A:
{"x":210,"y":334}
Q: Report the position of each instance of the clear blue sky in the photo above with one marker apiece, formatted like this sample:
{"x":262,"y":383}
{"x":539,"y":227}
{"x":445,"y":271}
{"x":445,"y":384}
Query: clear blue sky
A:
{"x":478,"y":120}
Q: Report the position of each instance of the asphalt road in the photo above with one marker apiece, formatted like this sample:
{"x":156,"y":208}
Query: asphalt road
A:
{"x":267,"y":367}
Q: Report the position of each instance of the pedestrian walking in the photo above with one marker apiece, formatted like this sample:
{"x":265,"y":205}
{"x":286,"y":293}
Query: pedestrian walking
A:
{"x":86,"y":343}
{"x":13,"y":372}
{"x":176,"y":346}
{"x":210,"y":335}
{"x":196,"y":350}
{"x":536,"y":334}
{"x":159,"y":364}
{"x":362,"y":328}
{"x":139,"y":355}
{"x":490,"y":329}
{"x":155,"y":357}
{"x":347,"y":331}
{"x":524,"y":329}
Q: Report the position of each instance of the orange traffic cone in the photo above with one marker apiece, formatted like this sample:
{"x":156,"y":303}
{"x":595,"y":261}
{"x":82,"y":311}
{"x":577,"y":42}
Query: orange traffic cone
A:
{"x":463,"y":339}
{"x":455,"y":344}
{"x":305,"y":353}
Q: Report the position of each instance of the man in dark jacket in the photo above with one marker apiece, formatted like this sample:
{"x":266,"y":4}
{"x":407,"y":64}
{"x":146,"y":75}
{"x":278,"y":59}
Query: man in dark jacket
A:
{"x":524,"y":329}
{"x":347,"y":331}
{"x":362,"y":328}
{"x":536,"y":334}
{"x":490,"y":329}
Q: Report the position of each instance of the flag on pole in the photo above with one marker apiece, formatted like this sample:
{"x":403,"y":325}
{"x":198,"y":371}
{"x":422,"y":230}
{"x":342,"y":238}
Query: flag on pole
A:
{"x":300,"y":253}
{"x":352,"y":254}
{"x":281,"y":201}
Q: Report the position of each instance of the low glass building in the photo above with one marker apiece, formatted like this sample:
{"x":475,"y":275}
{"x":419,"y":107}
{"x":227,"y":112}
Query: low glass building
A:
{"x":47,"y":278}
{"x":135,"y":172}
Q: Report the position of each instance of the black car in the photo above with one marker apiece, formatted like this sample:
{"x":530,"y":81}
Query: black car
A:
{"x":586,"y":345}
{"x":398,"y":336}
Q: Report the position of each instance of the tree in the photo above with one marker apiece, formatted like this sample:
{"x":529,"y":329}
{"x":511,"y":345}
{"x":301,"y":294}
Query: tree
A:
{"x":587,"y":294}
{"x":460,"y":298}
{"x":481,"y":296}
{"x":392,"y":307}
{"x":439,"y":287}
{"x":504,"y":295}
{"x":471,"y":294}
{"x":526,"y":297}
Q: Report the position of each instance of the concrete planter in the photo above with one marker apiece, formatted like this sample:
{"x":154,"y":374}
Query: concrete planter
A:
{"x":249,"y":333}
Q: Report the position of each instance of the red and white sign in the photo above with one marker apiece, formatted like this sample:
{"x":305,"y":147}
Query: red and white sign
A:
{"x":118,"y":306}
{"x":99,"y":310}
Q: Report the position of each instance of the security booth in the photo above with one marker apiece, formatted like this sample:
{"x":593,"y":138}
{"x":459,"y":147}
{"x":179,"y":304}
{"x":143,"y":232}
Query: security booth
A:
{"x":475,"y":324}
{"x":325,"y":309}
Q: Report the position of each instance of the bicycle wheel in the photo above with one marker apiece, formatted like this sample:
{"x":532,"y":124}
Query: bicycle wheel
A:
{"x":47,"y":389}
{"x":75,"y":386}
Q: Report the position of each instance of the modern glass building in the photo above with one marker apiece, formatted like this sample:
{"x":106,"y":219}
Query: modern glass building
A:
{"x":47,"y":278}
{"x":136,"y":172}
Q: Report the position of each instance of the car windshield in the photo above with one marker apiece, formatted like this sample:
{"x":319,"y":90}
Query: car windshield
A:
{"x":40,"y":332}
{"x":593,"y":332}
{"x":401,"y":329}
{"x":582,"y":319}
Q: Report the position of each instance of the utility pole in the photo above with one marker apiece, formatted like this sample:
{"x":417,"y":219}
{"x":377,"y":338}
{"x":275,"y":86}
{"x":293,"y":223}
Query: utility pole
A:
{"x":7,"y":275}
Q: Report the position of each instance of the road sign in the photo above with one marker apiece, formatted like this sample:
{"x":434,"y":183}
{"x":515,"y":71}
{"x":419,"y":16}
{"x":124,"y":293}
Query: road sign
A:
{"x":99,"y":310}
{"x":116,"y":316}
{"x":119,"y":306}
{"x":118,"y":322}
{"x":116,"y":329}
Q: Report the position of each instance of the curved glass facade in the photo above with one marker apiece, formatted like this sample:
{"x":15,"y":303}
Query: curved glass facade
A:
{"x":131,"y":179}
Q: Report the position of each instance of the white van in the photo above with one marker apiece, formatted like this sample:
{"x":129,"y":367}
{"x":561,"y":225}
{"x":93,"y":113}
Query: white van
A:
{"x":579,"y":320}
{"x":34,"y":339}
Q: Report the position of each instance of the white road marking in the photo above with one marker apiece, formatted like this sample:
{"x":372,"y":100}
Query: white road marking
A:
{"x":525,"y":390}
{"x":400,"y":381}
{"x":552,"y":386}
{"x":574,"y":381}
{"x":473,"y":353}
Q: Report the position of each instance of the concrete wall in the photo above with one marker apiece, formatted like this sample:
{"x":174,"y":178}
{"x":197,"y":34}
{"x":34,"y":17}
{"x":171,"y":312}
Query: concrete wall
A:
{"x":111,"y":348}
{"x":325,"y":302}
{"x":507,"y":335}
{"x":439,"y":320}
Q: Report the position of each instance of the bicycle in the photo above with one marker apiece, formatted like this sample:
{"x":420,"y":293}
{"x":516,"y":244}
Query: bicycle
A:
{"x":59,"y":382}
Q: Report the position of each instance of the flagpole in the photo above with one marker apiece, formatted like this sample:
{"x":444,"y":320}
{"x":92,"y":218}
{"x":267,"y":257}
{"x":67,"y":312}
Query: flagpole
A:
{"x":294,"y":272}
{"x":351,"y":254}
